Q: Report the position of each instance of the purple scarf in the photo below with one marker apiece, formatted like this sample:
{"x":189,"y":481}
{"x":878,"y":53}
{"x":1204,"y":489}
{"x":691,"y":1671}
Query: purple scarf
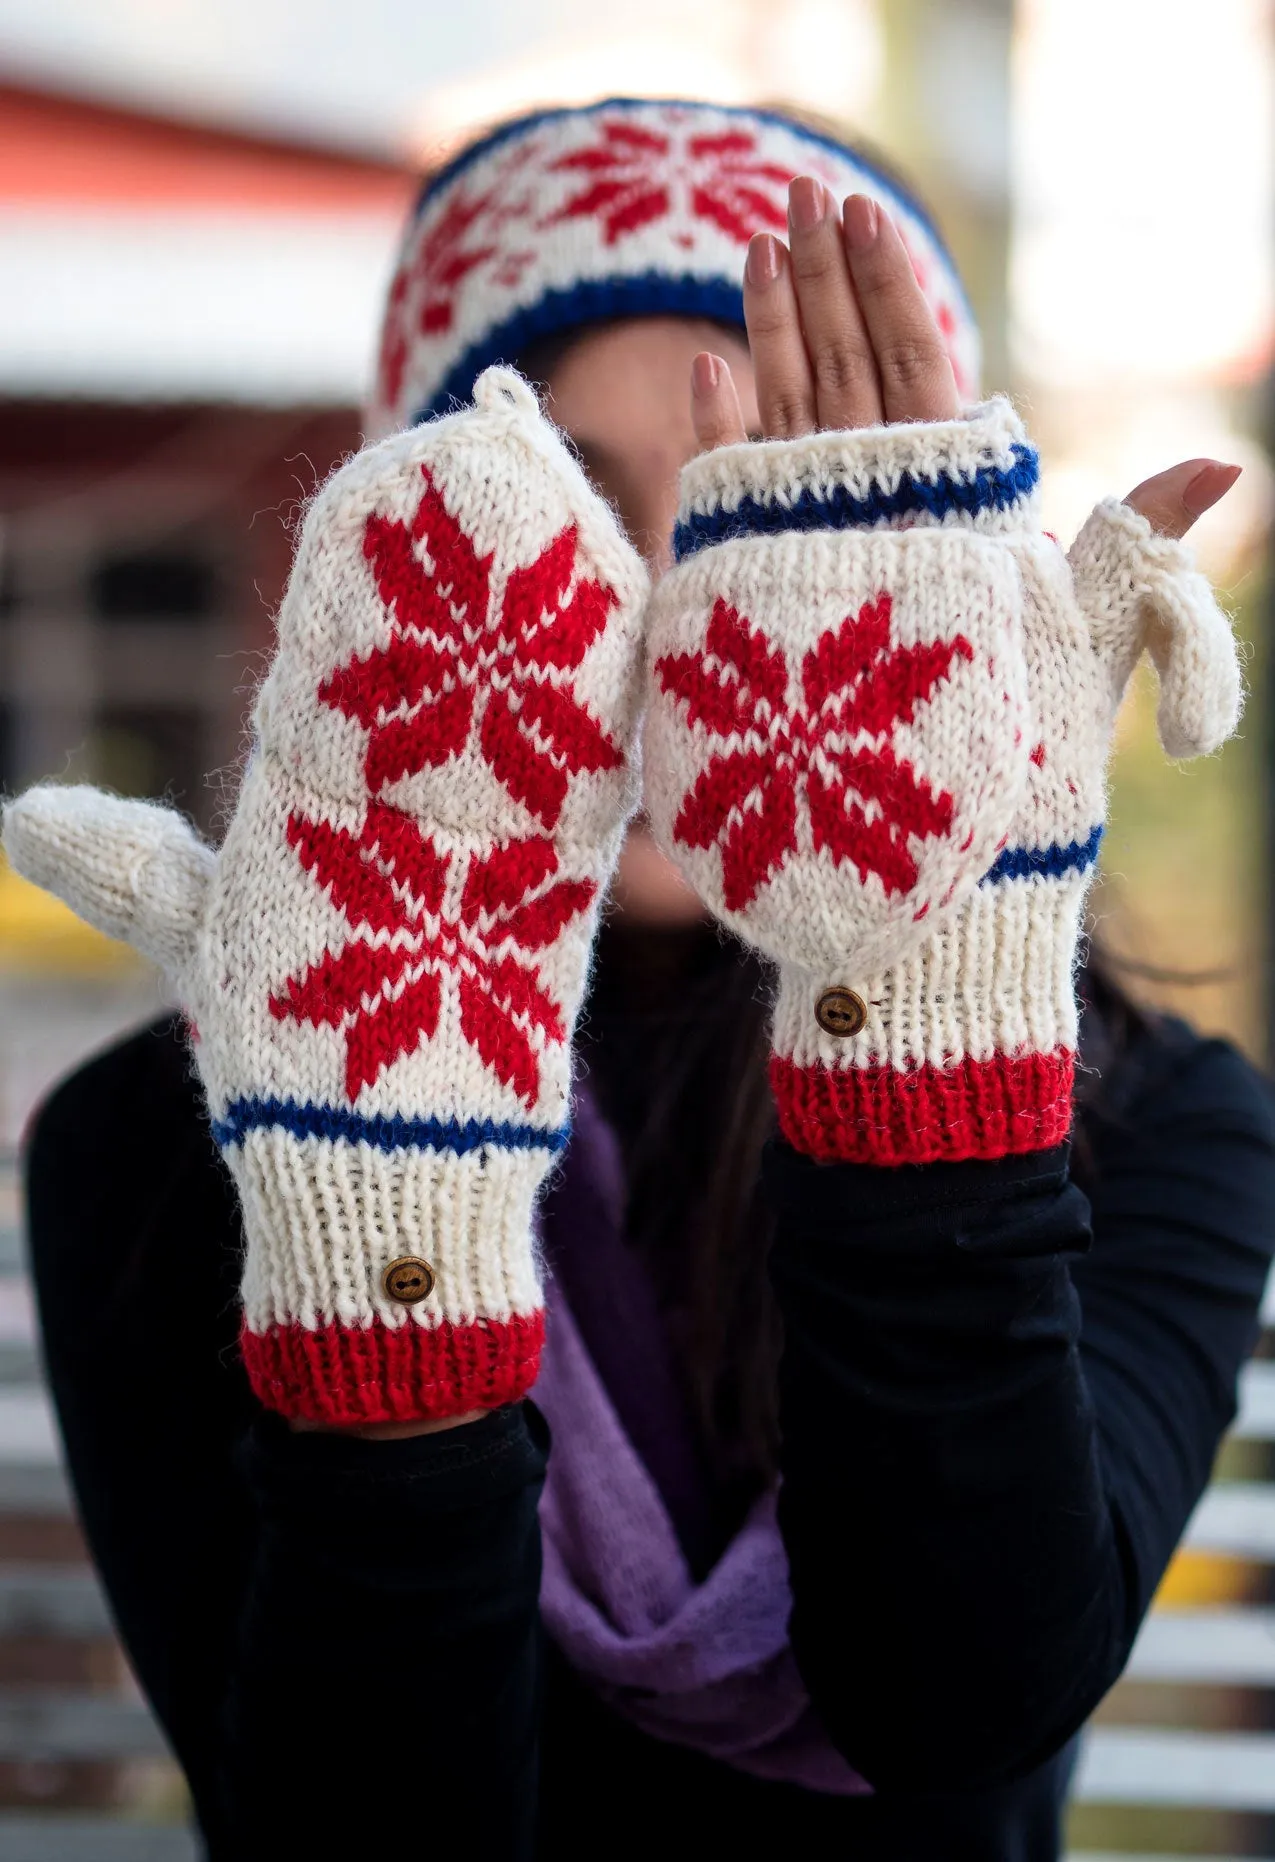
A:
{"x":702,"y":1665}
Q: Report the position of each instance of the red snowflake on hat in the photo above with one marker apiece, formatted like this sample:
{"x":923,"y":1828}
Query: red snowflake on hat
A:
{"x":384,"y":986}
{"x":627,"y":181}
{"x":440,"y":262}
{"x":467,"y":234}
{"x":459,"y":659}
{"x":832,"y":749}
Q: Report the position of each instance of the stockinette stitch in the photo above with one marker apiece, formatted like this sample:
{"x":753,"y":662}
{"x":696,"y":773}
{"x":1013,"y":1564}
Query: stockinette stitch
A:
{"x":881,"y":702}
{"x":384,"y":962}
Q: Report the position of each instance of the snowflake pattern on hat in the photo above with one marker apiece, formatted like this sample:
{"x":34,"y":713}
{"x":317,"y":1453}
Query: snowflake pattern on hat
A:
{"x":624,"y":208}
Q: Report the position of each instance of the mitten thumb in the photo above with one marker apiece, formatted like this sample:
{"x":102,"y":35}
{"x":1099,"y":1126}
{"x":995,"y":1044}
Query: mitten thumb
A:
{"x":1140,"y":590}
{"x":132,"y":869}
{"x":1193,"y":651}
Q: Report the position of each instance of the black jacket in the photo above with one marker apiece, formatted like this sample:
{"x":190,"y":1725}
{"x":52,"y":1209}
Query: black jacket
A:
{"x":1000,"y":1402}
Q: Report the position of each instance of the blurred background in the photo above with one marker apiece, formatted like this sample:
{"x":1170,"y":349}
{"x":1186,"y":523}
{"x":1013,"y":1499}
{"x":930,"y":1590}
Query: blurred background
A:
{"x":199,"y":204}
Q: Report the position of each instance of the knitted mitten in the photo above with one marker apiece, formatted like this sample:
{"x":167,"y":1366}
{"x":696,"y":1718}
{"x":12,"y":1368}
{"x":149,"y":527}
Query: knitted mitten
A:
{"x":880,"y":713}
{"x":384,"y":962}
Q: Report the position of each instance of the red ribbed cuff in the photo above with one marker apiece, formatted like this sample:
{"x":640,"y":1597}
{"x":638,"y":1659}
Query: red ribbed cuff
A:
{"x":928,"y":1114}
{"x":342,"y":1375}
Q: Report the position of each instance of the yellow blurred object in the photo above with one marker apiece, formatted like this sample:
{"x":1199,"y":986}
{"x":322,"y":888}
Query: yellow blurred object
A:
{"x":1197,"y":1579}
{"x":39,"y":933}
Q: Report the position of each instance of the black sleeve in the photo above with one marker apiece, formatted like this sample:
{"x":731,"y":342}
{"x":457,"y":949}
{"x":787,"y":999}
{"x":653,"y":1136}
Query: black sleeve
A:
{"x":339,"y":1636}
{"x":999,"y":1405}
{"x":385,"y":1697}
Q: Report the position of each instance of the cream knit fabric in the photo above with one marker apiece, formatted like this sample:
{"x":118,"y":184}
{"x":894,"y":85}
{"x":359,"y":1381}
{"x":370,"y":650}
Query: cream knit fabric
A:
{"x":385,"y":960}
{"x":881,"y":704}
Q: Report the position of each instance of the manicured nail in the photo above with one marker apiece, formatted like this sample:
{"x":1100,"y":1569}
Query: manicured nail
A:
{"x":763,"y":260}
{"x":1210,"y":483}
{"x":861,"y":222}
{"x":706,"y":372}
{"x":807,"y":204}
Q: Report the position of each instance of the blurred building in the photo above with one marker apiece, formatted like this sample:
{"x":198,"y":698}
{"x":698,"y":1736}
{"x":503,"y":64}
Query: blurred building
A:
{"x":187,"y":322}
{"x":187,"y":319}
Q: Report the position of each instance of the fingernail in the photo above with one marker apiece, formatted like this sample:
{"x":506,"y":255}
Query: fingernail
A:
{"x":1206,"y":488}
{"x":706,"y":372}
{"x":861,"y":222}
{"x":807,"y":204}
{"x":763,"y":260}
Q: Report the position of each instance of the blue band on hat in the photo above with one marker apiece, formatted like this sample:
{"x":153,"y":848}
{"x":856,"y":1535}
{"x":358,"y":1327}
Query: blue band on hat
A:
{"x":646,"y":294}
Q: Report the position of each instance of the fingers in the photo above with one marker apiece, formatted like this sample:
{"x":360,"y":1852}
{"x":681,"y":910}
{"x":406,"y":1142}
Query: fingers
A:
{"x":916,"y":376}
{"x":842,"y":364}
{"x":715,"y":404}
{"x":840,"y":332}
{"x":785,"y":384}
{"x":1173,"y":500}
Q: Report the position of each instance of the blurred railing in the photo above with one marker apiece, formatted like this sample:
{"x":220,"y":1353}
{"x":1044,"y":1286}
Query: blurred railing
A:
{"x":76,"y":1737}
{"x":1212,"y":1666}
{"x":84,"y":1772}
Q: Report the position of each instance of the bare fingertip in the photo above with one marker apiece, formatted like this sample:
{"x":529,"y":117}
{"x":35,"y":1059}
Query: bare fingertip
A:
{"x":706,"y":374}
{"x":763,"y":260}
{"x":807,"y":204}
{"x":862,"y":222}
{"x":1210,"y":484}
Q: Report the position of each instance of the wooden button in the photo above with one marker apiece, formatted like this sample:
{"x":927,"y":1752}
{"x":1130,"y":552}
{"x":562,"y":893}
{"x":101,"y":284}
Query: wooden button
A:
{"x":409,"y":1280}
{"x":839,"y":1011}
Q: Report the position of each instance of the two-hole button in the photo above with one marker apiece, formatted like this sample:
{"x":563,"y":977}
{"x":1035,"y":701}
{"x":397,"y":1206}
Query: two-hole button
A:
{"x":839,"y":1011}
{"x":408,"y":1280}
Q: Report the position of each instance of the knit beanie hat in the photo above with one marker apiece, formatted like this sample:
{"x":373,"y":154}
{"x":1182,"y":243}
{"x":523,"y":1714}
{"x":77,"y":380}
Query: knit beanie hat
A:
{"x":625,"y":208}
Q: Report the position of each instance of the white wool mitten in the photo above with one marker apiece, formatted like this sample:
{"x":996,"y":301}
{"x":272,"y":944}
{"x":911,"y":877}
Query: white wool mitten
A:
{"x":384,"y":962}
{"x":881,"y":707}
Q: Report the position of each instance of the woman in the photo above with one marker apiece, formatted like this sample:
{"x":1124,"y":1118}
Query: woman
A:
{"x":878,"y":705}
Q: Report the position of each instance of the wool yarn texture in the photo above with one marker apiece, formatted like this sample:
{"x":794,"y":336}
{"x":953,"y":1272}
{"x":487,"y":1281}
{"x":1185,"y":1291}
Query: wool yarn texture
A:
{"x":881,"y":702}
{"x":384,"y":962}
{"x":627,"y":208}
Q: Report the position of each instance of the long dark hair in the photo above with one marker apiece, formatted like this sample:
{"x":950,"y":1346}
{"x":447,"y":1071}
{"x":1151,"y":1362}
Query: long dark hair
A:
{"x":676,"y":1038}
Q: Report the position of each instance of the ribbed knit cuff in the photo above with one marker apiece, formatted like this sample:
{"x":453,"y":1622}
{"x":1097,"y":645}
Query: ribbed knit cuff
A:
{"x":345,"y":1375}
{"x":964,"y":1050}
{"x":998,"y":1107}
{"x":978,"y":471}
{"x":389,"y":1284}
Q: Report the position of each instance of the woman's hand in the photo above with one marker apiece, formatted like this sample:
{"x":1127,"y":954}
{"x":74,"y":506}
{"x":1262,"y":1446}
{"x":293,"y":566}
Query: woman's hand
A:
{"x":840,"y":333}
{"x":841,"y":336}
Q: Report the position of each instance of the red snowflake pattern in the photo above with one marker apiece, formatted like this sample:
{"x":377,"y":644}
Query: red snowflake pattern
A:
{"x":384,"y":986}
{"x":457,"y":657}
{"x":865,"y":804}
{"x":441,"y":261}
{"x":468,"y":233}
{"x":626,"y":181}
